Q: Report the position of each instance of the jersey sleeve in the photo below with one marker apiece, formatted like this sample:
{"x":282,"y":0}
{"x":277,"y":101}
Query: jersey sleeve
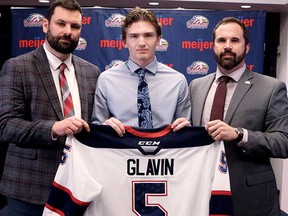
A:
{"x":73,"y":188}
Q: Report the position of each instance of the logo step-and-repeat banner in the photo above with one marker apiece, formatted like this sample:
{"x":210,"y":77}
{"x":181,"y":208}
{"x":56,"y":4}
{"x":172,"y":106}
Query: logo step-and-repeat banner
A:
{"x":186,"y":43}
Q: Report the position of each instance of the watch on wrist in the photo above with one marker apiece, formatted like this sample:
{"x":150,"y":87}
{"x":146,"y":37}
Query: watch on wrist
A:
{"x":240,"y":133}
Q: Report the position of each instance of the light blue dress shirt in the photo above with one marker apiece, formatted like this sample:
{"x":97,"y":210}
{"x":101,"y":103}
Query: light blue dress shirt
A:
{"x":116,"y":94}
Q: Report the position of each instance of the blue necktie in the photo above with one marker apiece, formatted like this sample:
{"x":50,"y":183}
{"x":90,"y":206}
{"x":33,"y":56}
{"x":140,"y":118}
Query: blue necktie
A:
{"x":143,"y":100}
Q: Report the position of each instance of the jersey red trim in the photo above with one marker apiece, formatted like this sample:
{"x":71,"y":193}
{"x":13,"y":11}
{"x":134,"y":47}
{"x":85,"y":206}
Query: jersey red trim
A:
{"x":221,"y":192}
{"x":58,"y":211}
{"x":143,"y":134}
{"x":66,"y":190}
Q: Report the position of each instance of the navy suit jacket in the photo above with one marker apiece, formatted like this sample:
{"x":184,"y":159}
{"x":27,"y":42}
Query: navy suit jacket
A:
{"x":260,"y":105}
{"x":29,"y":106}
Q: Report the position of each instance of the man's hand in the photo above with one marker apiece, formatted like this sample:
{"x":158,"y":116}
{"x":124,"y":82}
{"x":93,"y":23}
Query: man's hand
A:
{"x":219,"y":130}
{"x":180,"y":123}
{"x":69,"y":126}
{"x":117,"y":125}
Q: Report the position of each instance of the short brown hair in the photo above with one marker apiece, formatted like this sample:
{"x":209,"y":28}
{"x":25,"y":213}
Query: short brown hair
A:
{"x":233,"y":20}
{"x":67,"y":4}
{"x":140,"y":14}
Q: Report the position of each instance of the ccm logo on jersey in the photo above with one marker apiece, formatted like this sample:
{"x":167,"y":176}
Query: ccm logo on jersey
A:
{"x":149,"y":143}
{"x":149,"y":146}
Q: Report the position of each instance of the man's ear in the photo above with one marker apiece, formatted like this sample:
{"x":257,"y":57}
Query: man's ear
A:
{"x":45,"y":26}
{"x":159,"y":39}
{"x":124,"y":42}
{"x":247,"y":48}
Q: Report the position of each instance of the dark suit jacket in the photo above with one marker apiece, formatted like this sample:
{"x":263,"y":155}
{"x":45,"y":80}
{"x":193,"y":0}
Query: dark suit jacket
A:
{"x":29,"y":106}
{"x":259,"y":105}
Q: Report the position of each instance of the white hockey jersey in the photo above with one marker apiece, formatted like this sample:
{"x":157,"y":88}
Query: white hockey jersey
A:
{"x":148,"y":172}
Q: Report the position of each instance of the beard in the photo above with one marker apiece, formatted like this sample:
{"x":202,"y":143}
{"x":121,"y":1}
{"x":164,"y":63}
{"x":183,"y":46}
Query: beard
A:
{"x":230,"y":63}
{"x":62,"y":47}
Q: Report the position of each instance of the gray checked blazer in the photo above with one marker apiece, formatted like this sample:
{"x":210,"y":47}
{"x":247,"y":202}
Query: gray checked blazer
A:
{"x":260,"y":105}
{"x":29,"y":106}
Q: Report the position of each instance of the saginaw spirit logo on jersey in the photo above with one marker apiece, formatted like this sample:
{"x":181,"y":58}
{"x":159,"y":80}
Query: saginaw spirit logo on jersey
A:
{"x":155,"y":172}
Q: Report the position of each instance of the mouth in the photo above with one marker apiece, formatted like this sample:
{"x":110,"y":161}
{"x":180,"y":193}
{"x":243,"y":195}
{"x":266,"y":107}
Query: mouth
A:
{"x":65,"y":40}
{"x":142,"y":50}
{"x":228,"y":55}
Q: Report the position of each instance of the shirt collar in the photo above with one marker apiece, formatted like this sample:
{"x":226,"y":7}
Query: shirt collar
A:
{"x":55,"y":62}
{"x":235,"y":75}
{"x":152,"y":67}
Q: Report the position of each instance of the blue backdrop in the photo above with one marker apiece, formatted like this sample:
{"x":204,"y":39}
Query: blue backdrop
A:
{"x":186,"y":44}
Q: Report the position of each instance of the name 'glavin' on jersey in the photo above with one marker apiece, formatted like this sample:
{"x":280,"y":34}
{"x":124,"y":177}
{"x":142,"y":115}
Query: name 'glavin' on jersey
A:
{"x":150,"y":167}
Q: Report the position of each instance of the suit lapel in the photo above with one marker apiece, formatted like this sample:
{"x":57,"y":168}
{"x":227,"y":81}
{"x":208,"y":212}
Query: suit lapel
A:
{"x":245,"y":83}
{"x":80,"y":75}
{"x":43,"y":69}
{"x":200,"y":99}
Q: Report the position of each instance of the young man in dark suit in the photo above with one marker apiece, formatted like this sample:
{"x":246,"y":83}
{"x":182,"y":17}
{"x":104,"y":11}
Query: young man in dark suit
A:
{"x":254,"y":127}
{"x":32,"y":119}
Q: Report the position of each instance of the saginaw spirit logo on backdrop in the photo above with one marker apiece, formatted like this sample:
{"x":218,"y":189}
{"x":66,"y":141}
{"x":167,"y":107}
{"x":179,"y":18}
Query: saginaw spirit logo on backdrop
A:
{"x":115,"y":20}
{"x":163,"y":45}
{"x":197,"y":22}
{"x":198,"y":67}
{"x":114,"y":63}
{"x":82,"y":44}
{"x":34,"y":20}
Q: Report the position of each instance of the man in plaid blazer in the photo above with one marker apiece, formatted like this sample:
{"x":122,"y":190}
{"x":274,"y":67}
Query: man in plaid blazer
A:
{"x":31,"y":116}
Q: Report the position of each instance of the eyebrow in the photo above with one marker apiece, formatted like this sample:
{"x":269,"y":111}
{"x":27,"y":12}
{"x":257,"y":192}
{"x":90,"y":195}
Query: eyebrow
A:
{"x":141,"y":33}
{"x":63,"y":21}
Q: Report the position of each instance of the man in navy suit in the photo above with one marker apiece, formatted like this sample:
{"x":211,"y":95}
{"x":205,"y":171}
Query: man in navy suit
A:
{"x":31,"y":114}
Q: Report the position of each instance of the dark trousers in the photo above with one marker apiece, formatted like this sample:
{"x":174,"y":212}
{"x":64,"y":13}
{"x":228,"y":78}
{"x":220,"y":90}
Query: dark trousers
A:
{"x":20,"y":208}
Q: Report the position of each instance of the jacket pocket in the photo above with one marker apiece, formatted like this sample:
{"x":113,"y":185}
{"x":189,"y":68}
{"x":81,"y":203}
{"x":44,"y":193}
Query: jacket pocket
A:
{"x":260,"y":178}
{"x":22,"y":152}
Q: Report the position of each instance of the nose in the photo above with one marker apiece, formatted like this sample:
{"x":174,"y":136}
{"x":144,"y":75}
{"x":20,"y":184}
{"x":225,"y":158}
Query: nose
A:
{"x":228,"y":45}
{"x":141,"y":40}
{"x":67,"y":30}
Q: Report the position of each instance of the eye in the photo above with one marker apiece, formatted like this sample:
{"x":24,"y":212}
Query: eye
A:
{"x":62,"y":24}
{"x":133,"y":36}
{"x":149,"y":35}
{"x":235,"y":40}
{"x":221,"y":40}
{"x":76,"y":26}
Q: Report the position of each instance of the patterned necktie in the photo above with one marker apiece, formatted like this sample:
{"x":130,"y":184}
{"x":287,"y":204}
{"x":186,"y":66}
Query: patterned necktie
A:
{"x":143,"y":100}
{"x":217,"y":110}
{"x":68,"y":108}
